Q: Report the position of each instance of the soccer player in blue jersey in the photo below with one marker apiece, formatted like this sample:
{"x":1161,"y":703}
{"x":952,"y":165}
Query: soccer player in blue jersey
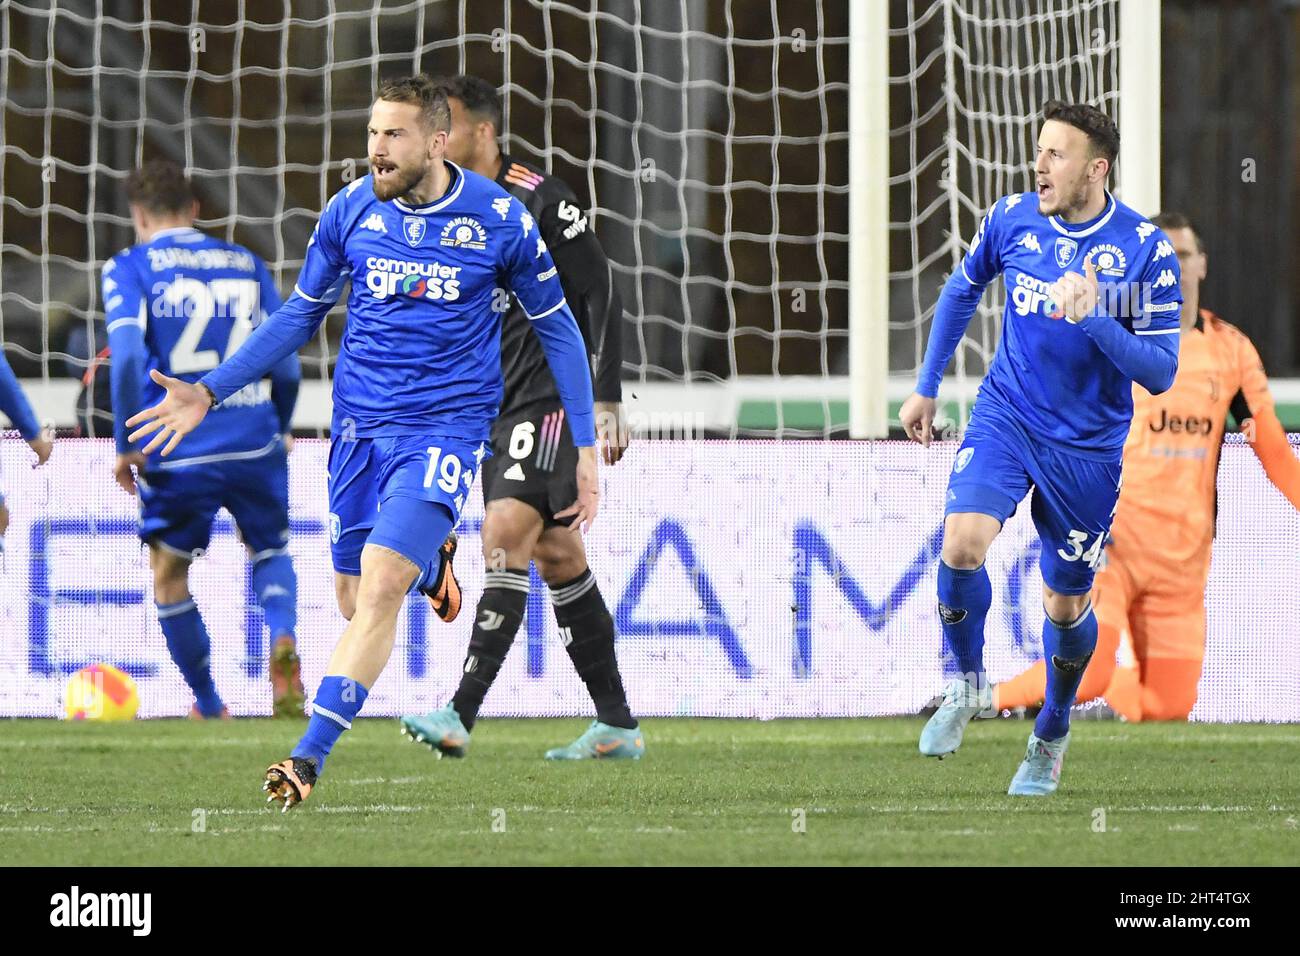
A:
{"x":19,"y":411}
{"x":426,"y":246}
{"x":1092,"y":306}
{"x":176,"y":304}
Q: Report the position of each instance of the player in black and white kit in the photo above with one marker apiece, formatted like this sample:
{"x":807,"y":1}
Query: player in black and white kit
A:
{"x":530,"y":475}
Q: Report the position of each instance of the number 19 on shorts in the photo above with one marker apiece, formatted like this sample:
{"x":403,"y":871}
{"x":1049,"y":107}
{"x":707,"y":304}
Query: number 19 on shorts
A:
{"x":445,"y":469}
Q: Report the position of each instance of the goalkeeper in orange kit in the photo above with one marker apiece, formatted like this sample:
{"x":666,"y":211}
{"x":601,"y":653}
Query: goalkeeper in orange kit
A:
{"x":1150,"y":596}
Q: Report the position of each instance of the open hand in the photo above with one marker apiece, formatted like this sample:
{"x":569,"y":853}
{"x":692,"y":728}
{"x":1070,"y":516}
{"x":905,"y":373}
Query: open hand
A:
{"x":178,"y":414}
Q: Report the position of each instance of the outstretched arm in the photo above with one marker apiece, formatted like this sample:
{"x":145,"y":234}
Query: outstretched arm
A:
{"x":286,"y":373}
{"x":1252,"y":407}
{"x":280,"y":336}
{"x":1269,"y":442}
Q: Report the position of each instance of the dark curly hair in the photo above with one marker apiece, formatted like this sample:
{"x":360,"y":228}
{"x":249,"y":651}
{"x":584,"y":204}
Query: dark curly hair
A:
{"x":160,"y":187}
{"x":1103,"y":134}
{"x":479,"y":96}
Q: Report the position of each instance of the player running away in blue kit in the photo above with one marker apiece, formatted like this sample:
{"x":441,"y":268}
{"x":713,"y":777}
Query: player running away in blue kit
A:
{"x":1092,"y":306}
{"x":177,"y":303}
{"x":425,"y":246}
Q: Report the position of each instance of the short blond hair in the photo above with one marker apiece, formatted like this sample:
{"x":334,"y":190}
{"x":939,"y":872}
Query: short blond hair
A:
{"x":420,"y":91}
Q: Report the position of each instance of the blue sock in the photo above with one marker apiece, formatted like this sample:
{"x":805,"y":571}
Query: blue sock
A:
{"x":188,"y":643}
{"x":1067,"y":649}
{"x":964,"y":599}
{"x":276,"y":587}
{"x":338,"y":699}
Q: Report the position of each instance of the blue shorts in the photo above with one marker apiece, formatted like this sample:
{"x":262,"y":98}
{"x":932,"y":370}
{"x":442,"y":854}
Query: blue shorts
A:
{"x":1074,"y":497}
{"x":366,"y":473}
{"x":177,"y":505}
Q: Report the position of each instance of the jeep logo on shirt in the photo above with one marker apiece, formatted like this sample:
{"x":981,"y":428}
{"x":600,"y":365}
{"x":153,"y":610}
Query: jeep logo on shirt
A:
{"x":1177,"y":424}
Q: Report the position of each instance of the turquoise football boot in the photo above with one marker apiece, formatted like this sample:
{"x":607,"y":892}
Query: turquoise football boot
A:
{"x":961,"y":701}
{"x":441,"y":730}
{"x":602,"y":742}
{"x":1040,"y":771}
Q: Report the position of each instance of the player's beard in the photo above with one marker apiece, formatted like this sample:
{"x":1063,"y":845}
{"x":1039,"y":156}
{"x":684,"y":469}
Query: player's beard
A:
{"x":402,"y":182}
{"x":1068,"y":201}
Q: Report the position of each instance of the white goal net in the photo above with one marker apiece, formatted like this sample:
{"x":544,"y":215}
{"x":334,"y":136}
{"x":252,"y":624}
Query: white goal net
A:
{"x":968,"y":81}
{"x":710,"y":140}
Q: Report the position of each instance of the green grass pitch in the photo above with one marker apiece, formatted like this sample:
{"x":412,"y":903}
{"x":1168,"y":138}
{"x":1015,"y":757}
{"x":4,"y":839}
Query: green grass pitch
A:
{"x":708,"y":792}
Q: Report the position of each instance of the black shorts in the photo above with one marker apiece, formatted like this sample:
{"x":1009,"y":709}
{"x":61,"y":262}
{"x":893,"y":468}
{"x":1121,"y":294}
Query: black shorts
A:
{"x":534,"y":460}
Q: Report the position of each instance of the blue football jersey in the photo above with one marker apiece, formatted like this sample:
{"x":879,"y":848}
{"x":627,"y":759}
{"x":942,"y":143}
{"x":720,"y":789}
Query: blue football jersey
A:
{"x":1047,"y":373}
{"x":421,"y":349}
{"x":193,"y":299}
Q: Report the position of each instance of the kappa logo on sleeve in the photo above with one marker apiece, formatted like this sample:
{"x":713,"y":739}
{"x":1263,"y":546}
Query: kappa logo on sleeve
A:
{"x":979,"y":234}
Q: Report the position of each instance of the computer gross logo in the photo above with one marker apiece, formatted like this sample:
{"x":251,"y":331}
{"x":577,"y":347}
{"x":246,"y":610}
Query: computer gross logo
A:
{"x":419,"y":280}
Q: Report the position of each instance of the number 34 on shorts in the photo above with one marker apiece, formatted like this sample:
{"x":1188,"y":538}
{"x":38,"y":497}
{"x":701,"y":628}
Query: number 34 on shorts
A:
{"x":1078,"y":549}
